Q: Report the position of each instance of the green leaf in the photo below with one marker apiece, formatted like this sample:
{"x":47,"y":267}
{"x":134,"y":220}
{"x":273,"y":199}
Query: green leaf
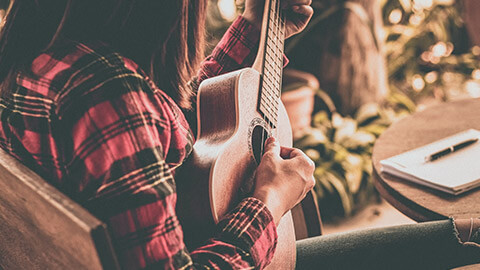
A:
{"x":402,"y":100}
{"x":346,"y":128}
{"x":359,"y":139}
{"x":338,"y":184}
{"x":367,"y":165}
{"x":313,"y":154}
{"x":375,"y":129}
{"x":367,"y":112}
{"x":311,"y":138}
{"x":340,"y":154}
{"x":322,"y":179}
{"x":321,"y":118}
{"x":337,"y":120}
{"x":354,"y":179}
{"x":354,"y":172}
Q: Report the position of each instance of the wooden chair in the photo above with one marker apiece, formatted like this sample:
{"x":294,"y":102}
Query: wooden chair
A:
{"x":41,"y":228}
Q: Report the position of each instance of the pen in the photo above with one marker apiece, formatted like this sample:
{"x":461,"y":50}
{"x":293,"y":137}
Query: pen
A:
{"x":450,"y":149}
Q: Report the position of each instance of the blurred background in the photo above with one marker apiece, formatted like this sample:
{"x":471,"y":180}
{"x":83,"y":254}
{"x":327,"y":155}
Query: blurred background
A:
{"x":359,"y":66}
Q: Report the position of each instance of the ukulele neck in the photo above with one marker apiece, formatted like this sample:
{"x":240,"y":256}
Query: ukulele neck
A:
{"x":269,"y":61}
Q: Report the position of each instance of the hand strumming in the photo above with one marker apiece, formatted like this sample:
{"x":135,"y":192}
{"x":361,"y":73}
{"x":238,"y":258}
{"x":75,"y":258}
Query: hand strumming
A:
{"x":283,"y":178}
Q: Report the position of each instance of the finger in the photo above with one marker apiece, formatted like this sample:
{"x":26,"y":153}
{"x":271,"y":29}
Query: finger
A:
{"x":289,"y":153}
{"x":289,"y":3}
{"x":272,"y":145}
{"x":301,"y":159}
{"x":285,"y":152}
{"x":304,"y":10}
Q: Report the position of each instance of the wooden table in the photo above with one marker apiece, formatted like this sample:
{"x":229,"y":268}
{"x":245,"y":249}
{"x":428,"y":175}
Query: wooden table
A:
{"x":436,"y":122}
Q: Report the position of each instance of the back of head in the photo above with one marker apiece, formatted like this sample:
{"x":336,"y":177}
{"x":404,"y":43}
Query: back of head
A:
{"x":164,"y":37}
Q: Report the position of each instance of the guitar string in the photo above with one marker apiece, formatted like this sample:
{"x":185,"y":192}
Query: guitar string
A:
{"x":280,"y":35}
{"x":278,"y":29}
{"x":268,"y":5}
{"x":270,"y":63}
{"x":277,"y":65}
{"x":282,"y":38}
{"x":262,"y":142}
{"x":274,"y":64}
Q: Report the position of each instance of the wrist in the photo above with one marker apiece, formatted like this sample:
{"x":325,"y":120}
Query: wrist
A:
{"x":272,"y":202}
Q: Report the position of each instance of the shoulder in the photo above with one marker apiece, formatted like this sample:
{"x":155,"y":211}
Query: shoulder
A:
{"x":75,"y":74}
{"x":56,"y":68}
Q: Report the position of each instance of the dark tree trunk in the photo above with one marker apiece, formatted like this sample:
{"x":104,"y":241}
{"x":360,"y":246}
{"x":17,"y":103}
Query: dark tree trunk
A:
{"x":345,"y":53}
{"x":472,"y":20}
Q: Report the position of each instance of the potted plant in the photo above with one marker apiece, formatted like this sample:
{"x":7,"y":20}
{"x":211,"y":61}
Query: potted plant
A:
{"x":341,"y":147}
{"x":298,"y":92}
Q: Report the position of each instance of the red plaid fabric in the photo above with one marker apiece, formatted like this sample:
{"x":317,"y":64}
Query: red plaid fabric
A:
{"x":90,"y":122}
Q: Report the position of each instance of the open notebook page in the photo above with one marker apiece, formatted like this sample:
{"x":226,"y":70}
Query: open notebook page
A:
{"x":454,"y":173}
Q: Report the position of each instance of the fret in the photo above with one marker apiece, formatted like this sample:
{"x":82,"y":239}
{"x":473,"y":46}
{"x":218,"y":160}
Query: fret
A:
{"x":270,"y":110}
{"x":269,"y":102}
{"x":269,"y":114}
{"x":269,"y":83}
{"x":272,"y":63}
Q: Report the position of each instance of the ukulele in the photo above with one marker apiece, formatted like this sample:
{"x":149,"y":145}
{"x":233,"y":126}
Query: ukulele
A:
{"x":236,"y":113}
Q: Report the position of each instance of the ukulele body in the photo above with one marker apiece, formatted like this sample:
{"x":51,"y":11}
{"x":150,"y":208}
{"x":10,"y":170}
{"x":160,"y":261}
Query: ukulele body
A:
{"x":220,"y":170}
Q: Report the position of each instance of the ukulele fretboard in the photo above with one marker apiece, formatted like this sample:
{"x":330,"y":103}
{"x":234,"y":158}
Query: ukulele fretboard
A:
{"x":272,"y":64}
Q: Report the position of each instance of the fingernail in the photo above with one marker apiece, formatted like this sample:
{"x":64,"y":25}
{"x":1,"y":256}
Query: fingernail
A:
{"x":295,"y":8}
{"x":270,"y":140}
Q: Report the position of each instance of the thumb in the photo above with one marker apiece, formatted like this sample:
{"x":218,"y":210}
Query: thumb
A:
{"x":272,"y":145}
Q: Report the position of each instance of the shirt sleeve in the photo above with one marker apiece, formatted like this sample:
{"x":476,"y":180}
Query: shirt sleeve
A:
{"x":114,"y":140}
{"x":237,"y":49}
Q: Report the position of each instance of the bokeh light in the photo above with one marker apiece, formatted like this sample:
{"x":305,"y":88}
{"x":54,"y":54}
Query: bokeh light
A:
{"x":476,"y":50}
{"x":418,"y":83}
{"x":476,"y":74}
{"x":227,"y":8}
{"x":431,"y":77}
{"x":439,"y":49}
{"x":423,"y":4}
{"x":445,"y":2}
{"x":473,"y":88}
{"x":395,"y":16}
{"x":416,"y":19}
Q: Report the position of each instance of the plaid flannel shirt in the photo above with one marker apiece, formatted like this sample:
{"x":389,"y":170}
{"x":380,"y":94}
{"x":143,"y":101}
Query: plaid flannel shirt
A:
{"x":91,"y":123}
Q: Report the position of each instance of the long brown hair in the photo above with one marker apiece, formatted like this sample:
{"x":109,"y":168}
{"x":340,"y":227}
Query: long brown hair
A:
{"x":164,"y":37}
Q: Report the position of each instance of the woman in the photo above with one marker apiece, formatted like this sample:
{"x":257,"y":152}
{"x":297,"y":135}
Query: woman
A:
{"x":92,"y":100}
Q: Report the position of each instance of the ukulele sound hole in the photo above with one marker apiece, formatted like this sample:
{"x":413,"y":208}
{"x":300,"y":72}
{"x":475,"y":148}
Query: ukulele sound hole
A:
{"x":259,"y":136}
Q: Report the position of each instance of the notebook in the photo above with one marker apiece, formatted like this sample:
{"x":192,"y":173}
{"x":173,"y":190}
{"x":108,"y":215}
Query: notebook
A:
{"x":454,"y":173}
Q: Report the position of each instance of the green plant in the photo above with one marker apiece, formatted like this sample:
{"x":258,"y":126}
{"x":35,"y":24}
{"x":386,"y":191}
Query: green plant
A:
{"x":341,"y":147}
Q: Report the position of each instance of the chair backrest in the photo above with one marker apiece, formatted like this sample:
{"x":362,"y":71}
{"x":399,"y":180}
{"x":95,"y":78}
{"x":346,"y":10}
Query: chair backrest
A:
{"x":41,"y":228}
